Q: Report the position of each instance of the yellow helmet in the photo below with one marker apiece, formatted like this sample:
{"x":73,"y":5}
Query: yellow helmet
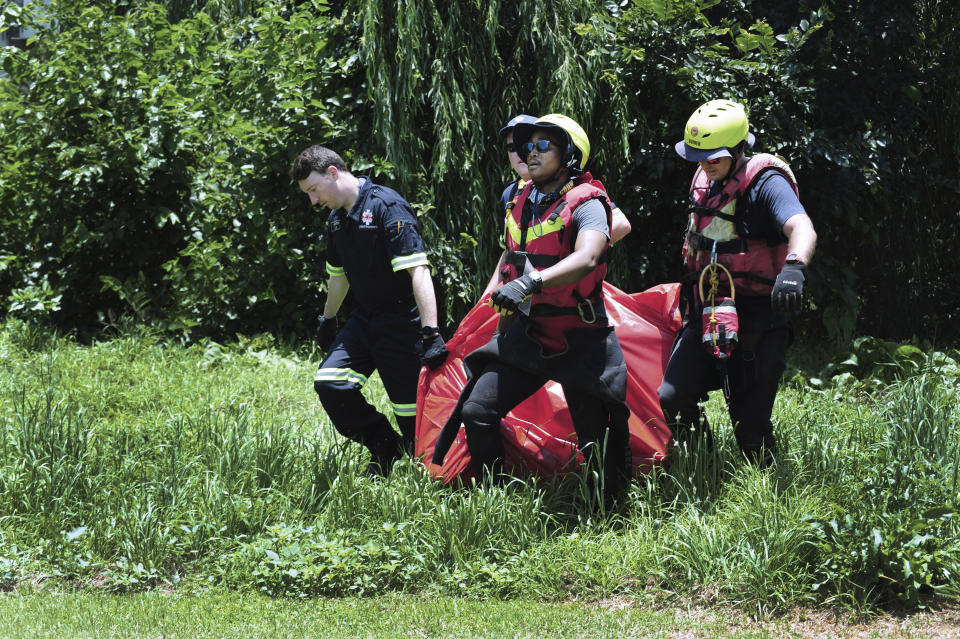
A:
{"x":713,"y":130}
{"x":578,"y":144}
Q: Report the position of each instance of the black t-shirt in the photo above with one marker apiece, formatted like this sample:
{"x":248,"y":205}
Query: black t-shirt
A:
{"x":373,"y":244}
{"x":766,"y":206}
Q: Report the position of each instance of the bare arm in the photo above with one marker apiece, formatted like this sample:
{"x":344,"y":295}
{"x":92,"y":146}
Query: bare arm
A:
{"x":337,"y":287}
{"x":423,"y":294}
{"x":620,"y":226}
{"x":573,"y":268}
{"x":802,"y":238}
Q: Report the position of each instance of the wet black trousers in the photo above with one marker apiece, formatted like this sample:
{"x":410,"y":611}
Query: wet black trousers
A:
{"x":500,"y":387}
{"x":754,"y":371}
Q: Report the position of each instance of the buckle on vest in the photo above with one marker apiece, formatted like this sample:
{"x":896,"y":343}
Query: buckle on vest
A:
{"x":593,"y":312}
{"x":696,"y":240}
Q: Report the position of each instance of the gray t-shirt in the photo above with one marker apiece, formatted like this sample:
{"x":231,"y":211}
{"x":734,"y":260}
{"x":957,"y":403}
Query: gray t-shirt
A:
{"x":589,"y":216}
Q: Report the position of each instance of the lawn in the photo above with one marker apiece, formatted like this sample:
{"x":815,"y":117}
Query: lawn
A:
{"x":199,"y":490}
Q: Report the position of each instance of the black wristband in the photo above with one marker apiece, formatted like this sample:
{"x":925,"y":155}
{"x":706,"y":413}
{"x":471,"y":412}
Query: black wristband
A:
{"x":429,"y":331}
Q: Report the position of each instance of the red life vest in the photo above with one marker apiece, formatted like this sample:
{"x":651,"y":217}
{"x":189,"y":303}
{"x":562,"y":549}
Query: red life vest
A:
{"x":546,"y":240}
{"x":715,"y":226}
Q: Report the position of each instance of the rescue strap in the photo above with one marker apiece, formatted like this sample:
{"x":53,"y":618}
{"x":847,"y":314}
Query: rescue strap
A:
{"x":519,"y":259}
{"x":700,"y":242}
{"x":526,"y":215}
{"x":709,"y":211}
{"x":590,"y":311}
{"x":690,"y":277}
{"x":720,"y":344}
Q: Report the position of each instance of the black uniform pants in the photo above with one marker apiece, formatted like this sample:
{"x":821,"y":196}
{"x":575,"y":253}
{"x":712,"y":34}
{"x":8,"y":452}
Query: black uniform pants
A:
{"x":500,"y":387}
{"x":754,"y":372}
{"x":389,"y":344}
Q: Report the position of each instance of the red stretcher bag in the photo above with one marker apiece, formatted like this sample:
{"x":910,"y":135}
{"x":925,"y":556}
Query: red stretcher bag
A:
{"x":538,"y":434}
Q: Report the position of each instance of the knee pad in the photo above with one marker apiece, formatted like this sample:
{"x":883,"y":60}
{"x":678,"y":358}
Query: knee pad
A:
{"x":477,"y":417}
{"x":673,"y":404}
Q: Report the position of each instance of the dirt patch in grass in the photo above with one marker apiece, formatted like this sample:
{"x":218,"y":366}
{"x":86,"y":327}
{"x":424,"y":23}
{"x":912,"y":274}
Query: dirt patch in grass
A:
{"x":941,"y":620}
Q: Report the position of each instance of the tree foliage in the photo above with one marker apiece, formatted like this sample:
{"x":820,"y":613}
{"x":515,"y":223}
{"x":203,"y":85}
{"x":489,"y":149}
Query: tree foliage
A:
{"x":146,"y":145}
{"x":446,"y":77}
{"x":147,"y":165}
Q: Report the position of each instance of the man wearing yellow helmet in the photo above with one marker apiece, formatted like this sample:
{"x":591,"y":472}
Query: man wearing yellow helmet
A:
{"x":553,"y":323}
{"x":745,"y":214}
{"x":619,"y":228}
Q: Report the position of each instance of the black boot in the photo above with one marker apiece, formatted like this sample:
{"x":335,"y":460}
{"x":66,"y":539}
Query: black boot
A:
{"x":761,"y":457}
{"x":383,"y":453}
{"x":486,"y":455}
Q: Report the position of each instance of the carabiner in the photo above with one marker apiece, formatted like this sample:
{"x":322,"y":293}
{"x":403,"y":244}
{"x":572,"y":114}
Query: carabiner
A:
{"x":593,"y":312}
{"x":533,"y":227}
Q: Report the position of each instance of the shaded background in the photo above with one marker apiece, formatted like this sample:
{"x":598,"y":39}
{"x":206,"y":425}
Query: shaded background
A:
{"x":145,"y":146}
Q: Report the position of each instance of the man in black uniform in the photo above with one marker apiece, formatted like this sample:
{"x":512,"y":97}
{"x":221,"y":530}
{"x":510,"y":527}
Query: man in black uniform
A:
{"x":374,"y":249}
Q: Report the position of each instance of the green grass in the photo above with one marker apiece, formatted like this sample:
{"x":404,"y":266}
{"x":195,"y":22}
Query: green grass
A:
{"x":223,"y":615}
{"x":232,"y":615}
{"x":136,"y":464}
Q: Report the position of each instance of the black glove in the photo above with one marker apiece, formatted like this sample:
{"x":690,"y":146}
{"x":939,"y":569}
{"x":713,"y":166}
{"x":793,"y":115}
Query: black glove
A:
{"x":787,"y":295}
{"x":327,"y":331}
{"x":433,"y":349}
{"x":507,"y":299}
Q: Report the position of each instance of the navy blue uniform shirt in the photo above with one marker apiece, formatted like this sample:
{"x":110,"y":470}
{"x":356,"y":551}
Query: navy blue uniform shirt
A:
{"x":766,"y":206}
{"x":373,"y":244}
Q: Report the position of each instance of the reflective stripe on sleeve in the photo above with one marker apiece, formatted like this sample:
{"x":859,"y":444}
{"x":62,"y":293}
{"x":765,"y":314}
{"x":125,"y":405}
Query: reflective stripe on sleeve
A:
{"x":409,"y":261}
{"x":334,"y":270}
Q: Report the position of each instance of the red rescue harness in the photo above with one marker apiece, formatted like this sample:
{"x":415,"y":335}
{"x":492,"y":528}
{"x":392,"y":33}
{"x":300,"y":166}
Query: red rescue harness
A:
{"x":715,"y":229}
{"x":543,"y":239}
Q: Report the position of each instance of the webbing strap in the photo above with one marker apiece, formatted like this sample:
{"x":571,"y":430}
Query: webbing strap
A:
{"x":700,"y":242}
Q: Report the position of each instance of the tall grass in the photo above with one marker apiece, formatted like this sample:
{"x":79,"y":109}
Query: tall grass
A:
{"x":135,"y":462}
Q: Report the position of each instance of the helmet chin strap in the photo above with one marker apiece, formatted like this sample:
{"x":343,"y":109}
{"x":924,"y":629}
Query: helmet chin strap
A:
{"x":735,"y":166}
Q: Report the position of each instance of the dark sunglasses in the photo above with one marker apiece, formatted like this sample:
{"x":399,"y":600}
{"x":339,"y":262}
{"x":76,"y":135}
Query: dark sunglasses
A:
{"x":714,"y":161}
{"x":540,"y":145}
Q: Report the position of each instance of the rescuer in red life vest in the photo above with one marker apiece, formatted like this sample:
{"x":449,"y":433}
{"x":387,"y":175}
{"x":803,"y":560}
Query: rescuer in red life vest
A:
{"x":553,"y":323}
{"x":619,"y":228}
{"x":745,"y":214}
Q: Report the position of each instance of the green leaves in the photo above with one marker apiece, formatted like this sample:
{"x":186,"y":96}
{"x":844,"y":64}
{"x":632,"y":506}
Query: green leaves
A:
{"x":134,"y":132}
{"x":130,"y":166}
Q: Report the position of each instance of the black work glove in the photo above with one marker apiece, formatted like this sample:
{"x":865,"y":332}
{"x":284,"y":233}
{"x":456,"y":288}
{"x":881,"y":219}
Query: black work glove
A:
{"x":787,"y":295}
{"x":326,"y":331}
{"x":507,"y":299}
{"x":433,"y":349}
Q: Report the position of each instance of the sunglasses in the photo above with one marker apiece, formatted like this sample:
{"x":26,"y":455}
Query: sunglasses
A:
{"x":540,"y":145}
{"x":714,"y":161}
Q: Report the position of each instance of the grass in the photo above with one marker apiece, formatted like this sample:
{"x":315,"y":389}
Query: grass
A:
{"x":229,"y":615}
{"x":137,"y":465}
{"x":223,"y":615}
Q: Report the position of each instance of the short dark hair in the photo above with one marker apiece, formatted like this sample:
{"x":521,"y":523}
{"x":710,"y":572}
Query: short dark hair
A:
{"x":315,"y":158}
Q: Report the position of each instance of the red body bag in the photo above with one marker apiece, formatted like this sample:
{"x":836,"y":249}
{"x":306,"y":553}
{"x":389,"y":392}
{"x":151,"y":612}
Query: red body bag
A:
{"x":538,"y":434}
